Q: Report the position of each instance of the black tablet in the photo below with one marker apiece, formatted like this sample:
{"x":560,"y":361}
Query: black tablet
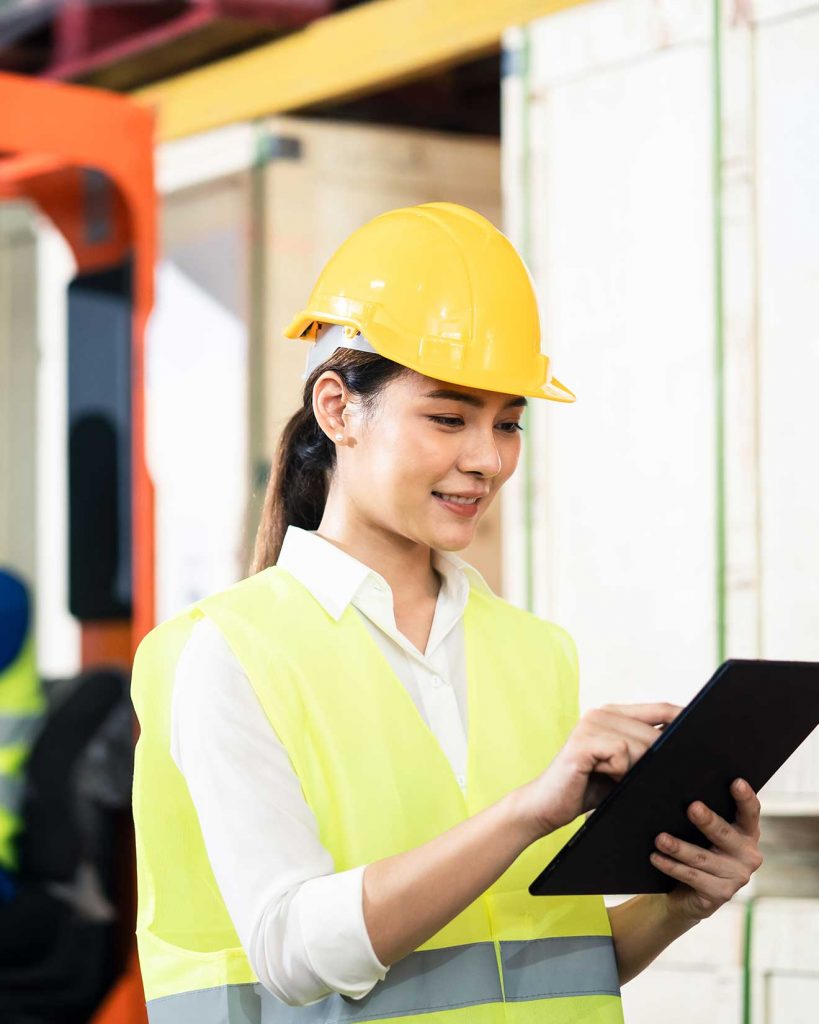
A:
{"x":744,"y":723}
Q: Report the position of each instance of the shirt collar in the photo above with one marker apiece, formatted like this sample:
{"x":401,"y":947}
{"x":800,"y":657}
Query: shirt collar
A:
{"x":335,"y":577}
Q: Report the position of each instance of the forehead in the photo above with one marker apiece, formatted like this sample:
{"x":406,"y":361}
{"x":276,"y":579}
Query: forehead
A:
{"x":432,"y":389}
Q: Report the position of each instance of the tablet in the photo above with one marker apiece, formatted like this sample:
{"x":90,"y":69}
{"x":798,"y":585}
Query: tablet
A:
{"x":744,"y":723}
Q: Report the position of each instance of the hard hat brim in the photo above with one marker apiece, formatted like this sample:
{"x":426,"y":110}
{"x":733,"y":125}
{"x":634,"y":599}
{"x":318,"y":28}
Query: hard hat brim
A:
{"x":299,"y":329}
{"x":554,"y":390}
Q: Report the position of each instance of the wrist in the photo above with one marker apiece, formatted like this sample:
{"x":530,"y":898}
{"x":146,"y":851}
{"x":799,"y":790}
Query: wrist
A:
{"x":675,"y":913}
{"x":517,"y":808}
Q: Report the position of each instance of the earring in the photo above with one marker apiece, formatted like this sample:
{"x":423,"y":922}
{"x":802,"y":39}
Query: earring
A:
{"x":339,"y":437}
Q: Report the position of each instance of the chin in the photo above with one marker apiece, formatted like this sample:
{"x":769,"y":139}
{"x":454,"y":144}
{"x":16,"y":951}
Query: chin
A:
{"x":454,"y":539}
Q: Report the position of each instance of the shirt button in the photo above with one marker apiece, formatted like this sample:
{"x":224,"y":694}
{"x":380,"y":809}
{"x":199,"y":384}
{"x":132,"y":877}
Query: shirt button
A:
{"x":461,"y":780}
{"x":437,"y":681}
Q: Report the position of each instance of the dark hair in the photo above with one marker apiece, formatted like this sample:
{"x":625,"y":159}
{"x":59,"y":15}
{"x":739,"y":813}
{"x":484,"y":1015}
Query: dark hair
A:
{"x":306,"y":457}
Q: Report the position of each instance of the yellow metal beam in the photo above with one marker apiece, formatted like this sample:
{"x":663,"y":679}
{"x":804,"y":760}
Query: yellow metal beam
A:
{"x":339,"y":57}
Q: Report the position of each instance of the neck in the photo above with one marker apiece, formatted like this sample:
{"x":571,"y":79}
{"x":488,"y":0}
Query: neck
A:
{"x":406,"y":566}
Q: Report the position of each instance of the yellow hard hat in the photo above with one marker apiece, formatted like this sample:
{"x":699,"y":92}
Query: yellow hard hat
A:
{"x":437,"y":288}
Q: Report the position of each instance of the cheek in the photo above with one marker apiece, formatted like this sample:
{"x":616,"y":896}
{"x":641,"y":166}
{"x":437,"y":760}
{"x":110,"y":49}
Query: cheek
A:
{"x":413,"y":452}
{"x":399,"y":483}
{"x":391,"y":469}
{"x":510,"y":458}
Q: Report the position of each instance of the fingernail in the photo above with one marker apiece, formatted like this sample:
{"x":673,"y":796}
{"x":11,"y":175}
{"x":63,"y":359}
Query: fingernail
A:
{"x":741,"y":786}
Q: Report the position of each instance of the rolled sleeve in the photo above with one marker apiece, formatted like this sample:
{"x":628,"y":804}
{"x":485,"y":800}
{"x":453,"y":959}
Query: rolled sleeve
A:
{"x":314,"y":941}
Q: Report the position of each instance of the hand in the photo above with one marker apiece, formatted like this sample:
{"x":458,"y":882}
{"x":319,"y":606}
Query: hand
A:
{"x":601,"y":748}
{"x":709,"y":878}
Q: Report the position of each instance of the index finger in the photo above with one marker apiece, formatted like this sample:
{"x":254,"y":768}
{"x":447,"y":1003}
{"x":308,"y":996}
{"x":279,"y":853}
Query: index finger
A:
{"x":654,"y":714}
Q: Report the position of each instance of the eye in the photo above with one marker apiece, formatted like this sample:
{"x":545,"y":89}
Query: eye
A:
{"x":454,"y":421}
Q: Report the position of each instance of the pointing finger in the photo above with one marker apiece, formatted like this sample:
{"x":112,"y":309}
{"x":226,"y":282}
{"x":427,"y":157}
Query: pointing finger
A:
{"x":653,"y":714}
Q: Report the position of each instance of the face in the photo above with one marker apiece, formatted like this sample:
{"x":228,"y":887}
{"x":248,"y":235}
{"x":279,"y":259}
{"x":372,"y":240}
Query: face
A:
{"x":425,"y":438}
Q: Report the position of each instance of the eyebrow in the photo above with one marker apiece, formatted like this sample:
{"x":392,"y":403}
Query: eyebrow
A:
{"x":462,"y":396}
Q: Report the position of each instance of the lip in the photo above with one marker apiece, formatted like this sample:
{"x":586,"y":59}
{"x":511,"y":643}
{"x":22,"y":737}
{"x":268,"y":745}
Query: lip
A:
{"x":464,"y":511}
{"x":474,"y":494}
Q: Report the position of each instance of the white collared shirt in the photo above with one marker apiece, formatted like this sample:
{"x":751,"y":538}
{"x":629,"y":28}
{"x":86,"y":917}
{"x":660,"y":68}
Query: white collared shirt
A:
{"x":300,"y":922}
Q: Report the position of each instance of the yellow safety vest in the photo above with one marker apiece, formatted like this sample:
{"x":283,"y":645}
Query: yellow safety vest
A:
{"x":21,"y":709}
{"x":378,"y":783}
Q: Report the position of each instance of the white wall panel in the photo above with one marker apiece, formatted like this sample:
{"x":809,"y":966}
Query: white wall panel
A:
{"x":608,"y":175}
{"x":787,"y":149}
{"x":196,"y":386}
{"x":620,"y":215}
{"x":609,"y":190}
{"x":697,"y":978}
{"x":787,"y":164}
{"x":785,"y":958}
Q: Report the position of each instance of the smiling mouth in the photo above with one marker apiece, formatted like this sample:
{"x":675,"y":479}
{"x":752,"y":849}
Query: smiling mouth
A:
{"x":457,"y":500}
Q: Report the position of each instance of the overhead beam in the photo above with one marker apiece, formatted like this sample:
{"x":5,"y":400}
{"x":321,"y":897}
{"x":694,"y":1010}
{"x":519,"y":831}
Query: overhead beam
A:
{"x":341,"y":57}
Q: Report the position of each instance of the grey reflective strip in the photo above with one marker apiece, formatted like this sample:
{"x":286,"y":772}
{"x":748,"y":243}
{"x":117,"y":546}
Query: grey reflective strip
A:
{"x":565,"y":965}
{"x":16,"y":729}
{"x":11,"y":793}
{"x":424,"y":981}
{"x":229,"y":1004}
{"x":429,"y":979}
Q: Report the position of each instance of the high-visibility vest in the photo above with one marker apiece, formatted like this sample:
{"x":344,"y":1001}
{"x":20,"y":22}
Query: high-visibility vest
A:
{"x":21,"y":709}
{"x":378,"y":783}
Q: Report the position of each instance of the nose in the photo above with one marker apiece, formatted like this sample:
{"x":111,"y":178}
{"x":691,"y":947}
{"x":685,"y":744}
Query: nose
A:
{"x":482,"y":457}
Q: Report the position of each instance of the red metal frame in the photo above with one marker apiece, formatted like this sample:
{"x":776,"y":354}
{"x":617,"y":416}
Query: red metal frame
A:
{"x":90,"y":35}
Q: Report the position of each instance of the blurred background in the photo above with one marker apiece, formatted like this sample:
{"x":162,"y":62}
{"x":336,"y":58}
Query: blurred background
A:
{"x":174,"y":174}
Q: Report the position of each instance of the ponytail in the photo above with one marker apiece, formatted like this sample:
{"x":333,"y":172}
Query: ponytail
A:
{"x":306,"y":457}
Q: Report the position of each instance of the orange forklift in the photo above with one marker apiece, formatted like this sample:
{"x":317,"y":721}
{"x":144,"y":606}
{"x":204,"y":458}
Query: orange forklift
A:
{"x":85,"y":158}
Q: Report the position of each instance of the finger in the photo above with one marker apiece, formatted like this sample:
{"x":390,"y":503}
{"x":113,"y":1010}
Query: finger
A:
{"x":634,"y":729}
{"x":748,"y":808}
{"x":611,"y":754}
{"x":653,"y":714}
{"x":710,"y":861}
{"x":724,"y":836}
{"x":713,"y":887}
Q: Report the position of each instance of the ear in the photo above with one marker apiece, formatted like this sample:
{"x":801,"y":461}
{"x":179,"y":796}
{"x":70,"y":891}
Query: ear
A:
{"x":329,"y":399}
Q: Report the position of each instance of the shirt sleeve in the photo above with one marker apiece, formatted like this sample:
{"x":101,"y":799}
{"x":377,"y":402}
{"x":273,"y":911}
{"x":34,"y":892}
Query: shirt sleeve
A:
{"x":300,"y":922}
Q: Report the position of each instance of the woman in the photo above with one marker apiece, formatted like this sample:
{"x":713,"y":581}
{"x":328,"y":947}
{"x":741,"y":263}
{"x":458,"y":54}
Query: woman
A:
{"x":353,"y":762}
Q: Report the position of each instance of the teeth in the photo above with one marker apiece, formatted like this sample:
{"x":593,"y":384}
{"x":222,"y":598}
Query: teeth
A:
{"x":456,"y":499}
